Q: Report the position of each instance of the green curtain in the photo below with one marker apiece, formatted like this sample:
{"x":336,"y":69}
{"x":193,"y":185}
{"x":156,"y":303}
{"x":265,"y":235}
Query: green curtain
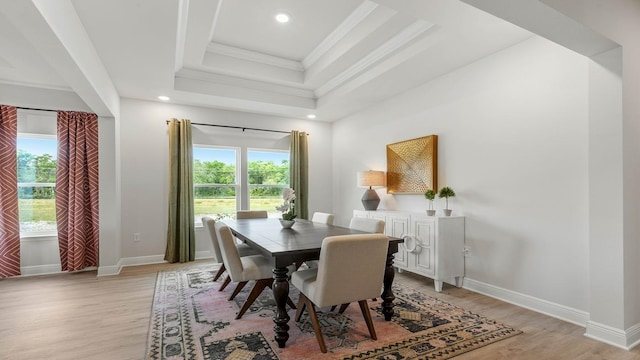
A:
{"x":299,"y":175}
{"x":181,"y":239}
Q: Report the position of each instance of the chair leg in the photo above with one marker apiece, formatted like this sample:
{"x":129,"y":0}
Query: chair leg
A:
{"x":291,"y":303}
{"x":226,"y":282}
{"x":300,"y":309}
{"x":237,"y":290}
{"x":313,"y":316}
{"x":367,"y":318}
{"x":219,"y":273}
{"x":253,"y":295}
{"x":343,"y":307}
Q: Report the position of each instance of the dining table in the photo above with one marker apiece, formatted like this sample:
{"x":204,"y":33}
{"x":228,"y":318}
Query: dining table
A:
{"x":302,"y":242}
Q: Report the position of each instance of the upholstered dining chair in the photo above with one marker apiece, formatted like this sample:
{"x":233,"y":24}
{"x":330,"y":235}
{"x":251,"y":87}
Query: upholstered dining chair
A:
{"x":320,"y":217}
{"x":252,"y":214}
{"x":244,"y":269}
{"x":365,"y":224}
{"x":323,"y":217}
{"x":368,"y":225}
{"x":350,"y":268}
{"x":243,"y":249}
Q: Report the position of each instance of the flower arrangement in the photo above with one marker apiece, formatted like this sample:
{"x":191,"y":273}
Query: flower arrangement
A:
{"x":288,"y":206}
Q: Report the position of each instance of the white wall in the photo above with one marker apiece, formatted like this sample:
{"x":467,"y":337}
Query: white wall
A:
{"x":620,"y":23}
{"x":144,"y":146}
{"x":512,"y":132}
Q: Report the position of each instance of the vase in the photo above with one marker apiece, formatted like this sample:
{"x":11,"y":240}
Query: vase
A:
{"x":431,"y":212}
{"x":287,"y":224}
{"x":447,"y":212}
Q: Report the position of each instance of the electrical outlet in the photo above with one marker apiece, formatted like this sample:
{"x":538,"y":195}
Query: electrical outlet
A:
{"x":136,"y":237}
{"x":466,"y":250}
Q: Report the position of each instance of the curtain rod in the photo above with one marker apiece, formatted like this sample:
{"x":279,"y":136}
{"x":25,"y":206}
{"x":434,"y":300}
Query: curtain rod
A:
{"x":243,"y":128}
{"x":28,"y":108}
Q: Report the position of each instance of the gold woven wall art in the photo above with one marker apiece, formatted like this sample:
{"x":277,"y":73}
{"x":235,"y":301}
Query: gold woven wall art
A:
{"x":412,"y":165}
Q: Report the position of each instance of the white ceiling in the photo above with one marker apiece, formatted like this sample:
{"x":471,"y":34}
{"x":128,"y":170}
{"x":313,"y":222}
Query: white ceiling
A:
{"x":333,"y":58}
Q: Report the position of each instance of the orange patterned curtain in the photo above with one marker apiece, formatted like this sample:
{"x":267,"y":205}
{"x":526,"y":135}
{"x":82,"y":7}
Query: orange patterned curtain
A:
{"x":9,"y":223}
{"x":77,"y":190}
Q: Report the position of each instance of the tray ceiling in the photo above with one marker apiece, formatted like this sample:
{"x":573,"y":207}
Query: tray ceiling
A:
{"x":333,"y":58}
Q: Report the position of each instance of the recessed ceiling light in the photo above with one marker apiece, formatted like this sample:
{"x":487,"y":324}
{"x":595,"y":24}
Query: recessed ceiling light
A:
{"x":282,"y":18}
{"x":164,"y":98}
{"x":311,"y":116}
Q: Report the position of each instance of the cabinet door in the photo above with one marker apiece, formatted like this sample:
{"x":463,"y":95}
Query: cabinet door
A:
{"x":398,"y":226}
{"x":425,"y":255}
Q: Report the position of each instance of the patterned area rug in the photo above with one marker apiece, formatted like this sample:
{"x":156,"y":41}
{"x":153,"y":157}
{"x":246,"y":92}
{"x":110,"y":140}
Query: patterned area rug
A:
{"x":191,"y":319}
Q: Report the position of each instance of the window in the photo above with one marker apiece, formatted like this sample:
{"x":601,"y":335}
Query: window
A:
{"x":221,"y":186}
{"x":268,"y":176}
{"x":36,"y":184}
{"x":215,"y":185}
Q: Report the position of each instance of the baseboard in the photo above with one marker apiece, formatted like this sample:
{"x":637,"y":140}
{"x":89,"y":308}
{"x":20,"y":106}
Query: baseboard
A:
{"x":142,"y":260}
{"x":624,"y":339}
{"x":50,"y":269}
{"x":110,"y":270}
{"x":633,"y":336}
{"x":558,"y":311}
{"x":40,"y":270}
{"x":147,"y":260}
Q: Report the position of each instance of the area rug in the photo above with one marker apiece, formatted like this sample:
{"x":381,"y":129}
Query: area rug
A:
{"x":191,"y":319}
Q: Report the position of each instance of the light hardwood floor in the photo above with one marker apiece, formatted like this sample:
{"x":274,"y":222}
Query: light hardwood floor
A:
{"x":82,"y":317}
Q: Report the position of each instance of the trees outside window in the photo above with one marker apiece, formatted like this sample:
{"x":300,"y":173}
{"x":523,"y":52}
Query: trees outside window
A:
{"x":36,"y":184}
{"x":268,"y":176}
{"x":215,"y":189}
{"x":220,"y":187}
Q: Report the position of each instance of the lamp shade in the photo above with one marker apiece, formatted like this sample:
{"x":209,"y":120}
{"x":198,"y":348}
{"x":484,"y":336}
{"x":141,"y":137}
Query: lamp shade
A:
{"x":371,"y":178}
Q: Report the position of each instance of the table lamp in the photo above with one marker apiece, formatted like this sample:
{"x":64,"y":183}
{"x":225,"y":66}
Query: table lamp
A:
{"x":371,"y":178}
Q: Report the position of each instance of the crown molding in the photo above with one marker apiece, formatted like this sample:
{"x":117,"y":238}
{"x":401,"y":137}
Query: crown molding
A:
{"x":238,"y":82}
{"x":245,"y":54}
{"x":359,"y":14}
{"x":401,"y":39}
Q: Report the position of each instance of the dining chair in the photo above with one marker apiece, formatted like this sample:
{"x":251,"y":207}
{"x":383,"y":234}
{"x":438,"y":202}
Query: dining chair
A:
{"x":367,"y":225}
{"x":244,"y":269}
{"x":243,"y":249}
{"x":252,"y":214}
{"x":320,"y":217}
{"x":323,"y":217}
{"x":350,"y":268}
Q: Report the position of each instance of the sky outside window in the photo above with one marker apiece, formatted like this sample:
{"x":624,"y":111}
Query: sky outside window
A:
{"x":38,"y":146}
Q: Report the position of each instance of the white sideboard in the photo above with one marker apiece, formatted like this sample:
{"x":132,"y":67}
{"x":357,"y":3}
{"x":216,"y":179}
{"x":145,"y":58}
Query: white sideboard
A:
{"x":433,"y":247}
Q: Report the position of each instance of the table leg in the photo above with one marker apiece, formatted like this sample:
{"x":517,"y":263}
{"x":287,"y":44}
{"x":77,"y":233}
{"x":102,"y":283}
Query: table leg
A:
{"x":387,"y":293}
{"x":280,"y":295}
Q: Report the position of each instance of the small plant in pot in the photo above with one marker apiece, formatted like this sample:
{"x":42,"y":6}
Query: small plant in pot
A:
{"x":446,"y":192}
{"x":430,"y":195}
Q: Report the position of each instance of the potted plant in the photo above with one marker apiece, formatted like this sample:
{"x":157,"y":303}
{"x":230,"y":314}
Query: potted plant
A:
{"x":287,"y":208}
{"x":430,"y":195}
{"x":446,"y":192}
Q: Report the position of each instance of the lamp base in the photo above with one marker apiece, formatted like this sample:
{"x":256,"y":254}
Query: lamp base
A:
{"x":370,"y":200}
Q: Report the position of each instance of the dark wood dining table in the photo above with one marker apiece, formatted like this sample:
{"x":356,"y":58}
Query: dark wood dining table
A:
{"x":302,"y":242}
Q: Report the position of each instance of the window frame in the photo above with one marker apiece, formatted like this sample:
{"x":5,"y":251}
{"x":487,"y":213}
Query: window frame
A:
{"x":47,"y":233}
{"x":242,"y":173}
{"x":237,"y":184}
{"x":246,"y":182}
